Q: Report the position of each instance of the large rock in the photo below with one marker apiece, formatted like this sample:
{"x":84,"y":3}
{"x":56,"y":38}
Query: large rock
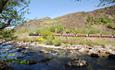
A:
{"x":76,"y":63}
{"x":93,"y":52}
{"x":94,"y":55}
{"x":4,"y":66}
{"x":84,"y":50}
{"x":111,"y":56}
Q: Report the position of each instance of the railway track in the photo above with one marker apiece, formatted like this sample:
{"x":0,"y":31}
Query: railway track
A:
{"x":80,"y":35}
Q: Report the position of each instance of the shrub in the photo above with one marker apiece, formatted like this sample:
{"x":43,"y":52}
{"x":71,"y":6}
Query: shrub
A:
{"x":98,"y":20}
{"x":111,"y":26}
{"x":59,"y":28}
{"x":49,"y":40}
{"x":105,"y":20}
{"x":70,"y":31}
{"x":56,"y":42}
{"x":45,"y":32}
{"x":7,"y":34}
{"x":52,"y":28}
{"x":90,"y":20}
{"x":41,"y":40}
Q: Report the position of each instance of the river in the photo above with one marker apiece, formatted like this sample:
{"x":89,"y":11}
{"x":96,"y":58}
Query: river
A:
{"x":52,"y":60}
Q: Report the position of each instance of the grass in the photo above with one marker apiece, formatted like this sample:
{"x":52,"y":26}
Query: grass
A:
{"x":87,"y":41}
{"x":48,"y":38}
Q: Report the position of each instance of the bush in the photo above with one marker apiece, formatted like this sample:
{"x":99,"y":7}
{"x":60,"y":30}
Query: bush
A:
{"x":49,"y":40}
{"x":56,"y":42}
{"x":111,"y":26}
{"x":7,"y":34}
{"x":68,"y":31}
{"x":45,"y":32}
{"x":104,"y":20}
{"x":52,"y":28}
{"x":59,"y":28}
{"x":41,"y":40}
{"x":98,"y":20}
{"x":90,"y":20}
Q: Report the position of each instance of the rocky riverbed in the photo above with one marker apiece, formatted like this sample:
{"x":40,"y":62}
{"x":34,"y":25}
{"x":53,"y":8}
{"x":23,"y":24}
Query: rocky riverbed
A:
{"x":93,"y":51}
{"x":34,"y":56}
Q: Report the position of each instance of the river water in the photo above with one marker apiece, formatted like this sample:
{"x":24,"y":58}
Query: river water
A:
{"x":50,"y":61}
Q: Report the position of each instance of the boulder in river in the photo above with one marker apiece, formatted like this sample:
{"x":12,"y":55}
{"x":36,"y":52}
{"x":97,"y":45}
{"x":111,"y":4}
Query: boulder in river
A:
{"x":4,"y":66}
{"x":76,"y":63}
{"x":94,"y":55}
{"x":111,"y":56}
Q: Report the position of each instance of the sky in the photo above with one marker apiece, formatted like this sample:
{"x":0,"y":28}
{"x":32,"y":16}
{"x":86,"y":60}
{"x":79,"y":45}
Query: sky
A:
{"x":55,"y":8}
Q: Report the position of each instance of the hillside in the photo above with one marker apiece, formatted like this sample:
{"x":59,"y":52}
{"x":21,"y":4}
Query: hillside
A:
{"x":80,"y":19}
{"x":97,"y":21}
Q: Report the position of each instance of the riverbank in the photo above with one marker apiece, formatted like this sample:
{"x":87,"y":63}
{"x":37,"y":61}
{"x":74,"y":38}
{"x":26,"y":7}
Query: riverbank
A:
{"x":15,"y":57}
{"x":93,"y":51}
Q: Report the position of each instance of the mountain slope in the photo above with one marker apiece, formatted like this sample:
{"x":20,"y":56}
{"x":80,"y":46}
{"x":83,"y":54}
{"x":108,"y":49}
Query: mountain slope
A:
{"x":101,"y":20}
{"x":80,"y":19}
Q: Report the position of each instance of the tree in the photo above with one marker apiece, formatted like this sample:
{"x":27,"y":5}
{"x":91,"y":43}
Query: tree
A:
{"x":12,"y":11}
{"x":107,"y":2}
{"x":104,"y":2}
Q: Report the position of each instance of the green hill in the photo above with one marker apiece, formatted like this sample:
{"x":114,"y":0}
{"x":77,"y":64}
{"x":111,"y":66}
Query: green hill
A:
{"x":94,"y":22}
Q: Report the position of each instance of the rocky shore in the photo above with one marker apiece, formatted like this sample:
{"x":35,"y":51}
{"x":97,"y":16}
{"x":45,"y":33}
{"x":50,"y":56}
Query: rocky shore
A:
{"x":95,"y":51}
{"x":45,"y":54}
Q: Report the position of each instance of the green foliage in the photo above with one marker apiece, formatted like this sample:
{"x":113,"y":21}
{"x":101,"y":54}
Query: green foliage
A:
{"x":103,"y":2}
{"x":106,"y":2}
{"x":104,"y":20}
{"x":1,"y":24}
{"x":47,"y":35}
{"x":59,"y":28}
{"x":45,"y":32}
{"x":52,"y":28}
{"x":90,"y":20}
{"x":53,"y":41}
{"x":18,"y":61}
{"x":7,"y":34}
{"x":49,"y":40}
{"x":11,"y":54}
{"x":40,"y":39}
{"x":56,"y":28}
{"x":87,"y":42}
{"x":12,"y":11}
{"x":23,"y":62}
{"x":111,"y":26}
{"x":56,"y":42}
{"x":87,"y":30}
{"x":68,"y":31}
{"x":98,"y":20}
